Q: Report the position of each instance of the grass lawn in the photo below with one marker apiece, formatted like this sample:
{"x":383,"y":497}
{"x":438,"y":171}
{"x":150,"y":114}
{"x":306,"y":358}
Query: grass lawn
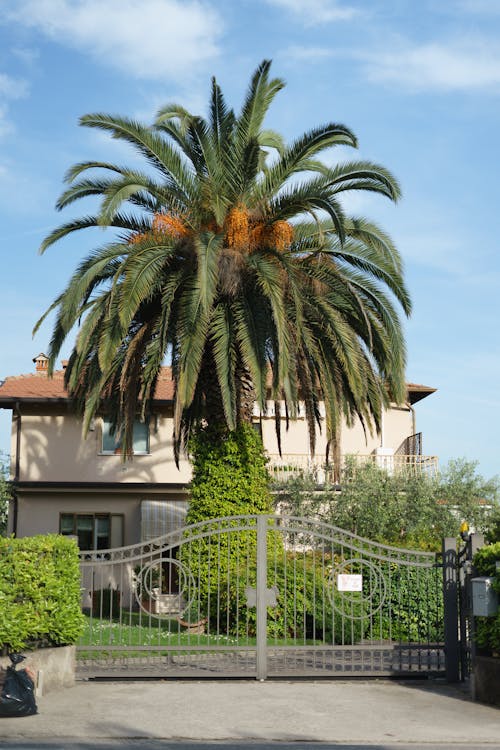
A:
{"x":140,"y":630}
{"x":160,"y":635}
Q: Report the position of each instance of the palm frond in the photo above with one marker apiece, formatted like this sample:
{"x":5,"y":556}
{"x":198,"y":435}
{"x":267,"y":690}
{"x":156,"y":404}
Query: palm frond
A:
{"x":315,"y":318}
{"x":160,"y":153}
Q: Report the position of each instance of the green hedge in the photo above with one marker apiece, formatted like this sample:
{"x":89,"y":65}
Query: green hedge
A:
{"x":229,"y":479}
{"x":413,"y":607}
{"x":488,"y":628}
{"x":39,"y":592}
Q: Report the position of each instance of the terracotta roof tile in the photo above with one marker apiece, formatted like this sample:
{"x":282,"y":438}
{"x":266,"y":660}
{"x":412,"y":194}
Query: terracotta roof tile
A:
{"x":39,"y":386}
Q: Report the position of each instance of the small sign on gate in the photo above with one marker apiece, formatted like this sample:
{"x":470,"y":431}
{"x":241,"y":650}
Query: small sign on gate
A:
{"x":349,"y":582}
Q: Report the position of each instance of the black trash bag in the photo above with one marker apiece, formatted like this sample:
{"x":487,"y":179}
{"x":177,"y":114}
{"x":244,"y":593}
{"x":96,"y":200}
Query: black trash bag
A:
{"x":18,"y":694}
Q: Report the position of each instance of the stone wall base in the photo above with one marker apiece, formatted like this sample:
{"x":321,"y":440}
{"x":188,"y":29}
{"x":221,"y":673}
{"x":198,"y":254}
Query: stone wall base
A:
{"x":487,"y":679}
{"x":54,"y":668}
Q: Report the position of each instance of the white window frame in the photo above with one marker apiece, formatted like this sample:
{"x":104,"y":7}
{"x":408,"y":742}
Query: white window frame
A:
{"x":105,"y":423}
{"x":115,"y":537}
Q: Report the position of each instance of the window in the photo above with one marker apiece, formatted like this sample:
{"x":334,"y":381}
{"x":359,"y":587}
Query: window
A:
{"x":160,"y":517}
{"x":257,"y":426}
{"x":93,"y":530}
{"x":140,"y":438}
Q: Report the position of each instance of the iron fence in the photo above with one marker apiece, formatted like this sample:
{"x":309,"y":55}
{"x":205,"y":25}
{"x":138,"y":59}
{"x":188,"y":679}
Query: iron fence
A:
{"x":261,"y":596}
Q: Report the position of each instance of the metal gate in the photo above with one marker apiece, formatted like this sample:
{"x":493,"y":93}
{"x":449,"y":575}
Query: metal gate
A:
{"x":459,"y":623}
{"x":261,"y":596}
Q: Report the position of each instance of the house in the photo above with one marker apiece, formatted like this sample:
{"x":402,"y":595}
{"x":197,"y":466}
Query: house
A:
{"x":81,"y":486}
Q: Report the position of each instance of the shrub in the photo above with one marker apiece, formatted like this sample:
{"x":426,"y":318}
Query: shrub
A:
{"x":106,"y":603}
{"x":229,"y":476}
{"x":312,"y":608}
{"x":412,"y":610}
{"x":39,"y":592}
{"x":229,"y":479}
{"x":493,"y":527}
{"x":405,"y":511}
{"x":488,"y":628}
{"x":305,"y":603}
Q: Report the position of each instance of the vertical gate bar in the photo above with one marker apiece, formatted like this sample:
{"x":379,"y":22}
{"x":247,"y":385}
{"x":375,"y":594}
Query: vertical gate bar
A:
{"x":197,"y":587}
{"x":209,"y":583}
{"x":438,"y":616}
{"x":218,"y":570}
{"x":463,"y":558}
{"x":285,"y":593}
{"x":248,"y":581}
{"x":467,"y":624}
{"x":477,"y":541}
{"x":229,"y":579}
{"x":261,"y":598}
{"x":237,"y":593}
{"x":450,"y":599}
{"x":294,"y":588}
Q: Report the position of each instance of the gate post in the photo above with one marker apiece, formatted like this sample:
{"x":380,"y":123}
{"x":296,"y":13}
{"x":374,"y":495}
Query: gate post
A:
{"x":261,"y":598}
{"x":451,"y":614}
{"x":467,"y":621}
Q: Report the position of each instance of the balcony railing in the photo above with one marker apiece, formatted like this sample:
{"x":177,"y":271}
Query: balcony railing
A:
{"x":290,"y":465}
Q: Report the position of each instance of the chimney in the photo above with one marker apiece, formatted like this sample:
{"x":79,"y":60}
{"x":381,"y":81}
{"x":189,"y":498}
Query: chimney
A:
{"x":41,"y":363}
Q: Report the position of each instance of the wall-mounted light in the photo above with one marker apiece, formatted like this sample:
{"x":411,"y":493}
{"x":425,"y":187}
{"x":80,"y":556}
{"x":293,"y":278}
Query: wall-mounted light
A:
{"x":464,"y":531}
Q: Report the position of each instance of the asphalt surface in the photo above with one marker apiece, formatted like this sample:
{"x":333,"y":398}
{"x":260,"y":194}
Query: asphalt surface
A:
{"x":151,"y":715}
{"x":167,"y":745}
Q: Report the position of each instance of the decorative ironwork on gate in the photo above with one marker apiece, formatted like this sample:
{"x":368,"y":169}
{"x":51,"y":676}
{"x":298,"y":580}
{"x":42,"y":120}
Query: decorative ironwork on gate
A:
{"x":261,"y":596}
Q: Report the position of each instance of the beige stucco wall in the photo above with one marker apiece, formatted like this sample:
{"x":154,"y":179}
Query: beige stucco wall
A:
{"x":52,"y":449}
{"x":398,"y":424}
{"x":38,"y":513}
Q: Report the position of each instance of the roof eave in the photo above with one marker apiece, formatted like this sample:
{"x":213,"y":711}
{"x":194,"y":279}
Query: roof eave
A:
{"x":417,"y":393}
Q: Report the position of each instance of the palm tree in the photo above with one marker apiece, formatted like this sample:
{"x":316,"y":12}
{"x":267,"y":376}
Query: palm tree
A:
{"x":231,"y":255}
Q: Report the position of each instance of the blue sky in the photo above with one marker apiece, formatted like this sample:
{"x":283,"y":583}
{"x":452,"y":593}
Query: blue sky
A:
{"x":419,"y":83}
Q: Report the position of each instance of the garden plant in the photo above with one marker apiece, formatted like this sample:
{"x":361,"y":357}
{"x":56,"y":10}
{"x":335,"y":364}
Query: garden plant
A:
{"x":230,"y":255}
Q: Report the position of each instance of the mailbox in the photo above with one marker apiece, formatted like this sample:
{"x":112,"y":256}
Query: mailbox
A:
{"x":484,"y":597}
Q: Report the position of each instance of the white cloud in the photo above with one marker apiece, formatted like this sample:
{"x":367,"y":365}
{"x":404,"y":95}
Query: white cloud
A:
{"x":10,"y":88}
{"x":5,"y":126}
{"x":307,"y":54}
{"x":26,"y":55}
{"x":315,"y":12}
{"x":146,"y":39}
{"x":19,"y":189}
{"x":434,"y":250}
{"x":468,"y":64}
{"x":480,"y":6}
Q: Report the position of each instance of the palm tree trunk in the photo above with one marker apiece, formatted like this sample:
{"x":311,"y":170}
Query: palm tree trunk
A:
{"x":213,"y":410}
{"x":245,"y":395}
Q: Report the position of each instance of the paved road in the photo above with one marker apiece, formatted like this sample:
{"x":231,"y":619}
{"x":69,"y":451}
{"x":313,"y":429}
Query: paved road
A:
{"x":166,"y":745}
{"x":340,"y":714}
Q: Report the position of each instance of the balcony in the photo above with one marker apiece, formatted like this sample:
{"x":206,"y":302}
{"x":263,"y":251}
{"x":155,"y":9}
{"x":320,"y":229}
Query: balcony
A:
{"x":290,"y":465}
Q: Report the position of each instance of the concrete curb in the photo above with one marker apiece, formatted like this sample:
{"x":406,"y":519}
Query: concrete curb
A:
{"x":54,"y":668}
